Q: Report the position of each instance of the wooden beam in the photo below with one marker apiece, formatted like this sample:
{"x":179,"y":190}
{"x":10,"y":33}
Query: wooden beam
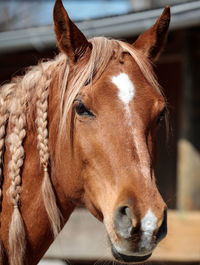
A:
{"x":84,"y":238}
{"x":188,"y":186}
{"x":183,"y":240}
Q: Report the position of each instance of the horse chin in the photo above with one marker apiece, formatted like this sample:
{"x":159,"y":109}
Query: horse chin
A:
{"x":128,"y":259}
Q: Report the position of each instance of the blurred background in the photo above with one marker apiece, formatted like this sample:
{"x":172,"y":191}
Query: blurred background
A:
{"x":26,"y":35}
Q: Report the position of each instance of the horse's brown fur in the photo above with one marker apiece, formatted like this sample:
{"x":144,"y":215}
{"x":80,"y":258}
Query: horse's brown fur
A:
{"x":37,"y":119}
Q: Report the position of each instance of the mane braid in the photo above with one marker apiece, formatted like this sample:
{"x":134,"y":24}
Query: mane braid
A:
{"x":17,"y":238}
{"x":41,"y":121}
{"x":5,"y":94}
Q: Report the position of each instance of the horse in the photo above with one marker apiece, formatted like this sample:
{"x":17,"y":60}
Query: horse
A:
{"x":81,"y":130}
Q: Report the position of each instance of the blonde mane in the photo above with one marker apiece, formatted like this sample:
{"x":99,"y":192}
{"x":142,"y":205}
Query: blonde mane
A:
{"x":15,"y":99}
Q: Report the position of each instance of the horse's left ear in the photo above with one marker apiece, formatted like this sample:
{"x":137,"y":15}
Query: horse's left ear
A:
{"x":70,"y":39}
{"x":152,"y":41}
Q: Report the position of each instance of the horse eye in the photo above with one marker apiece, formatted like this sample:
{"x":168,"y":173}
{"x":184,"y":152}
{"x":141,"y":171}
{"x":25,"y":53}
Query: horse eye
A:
{"x":161,"y":116}
{"x":82,"y":110}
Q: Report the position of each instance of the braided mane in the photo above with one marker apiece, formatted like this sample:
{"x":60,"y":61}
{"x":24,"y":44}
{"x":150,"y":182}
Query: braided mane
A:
{"x":15,"y":99}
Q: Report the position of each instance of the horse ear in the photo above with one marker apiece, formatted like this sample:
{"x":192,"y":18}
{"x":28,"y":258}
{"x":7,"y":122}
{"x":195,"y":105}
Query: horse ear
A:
{"x":152,"y":41}
{"x":70,"y":39}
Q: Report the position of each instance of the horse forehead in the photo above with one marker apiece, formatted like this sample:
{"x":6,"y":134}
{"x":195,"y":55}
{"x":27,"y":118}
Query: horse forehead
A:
{"x":124,"y":83}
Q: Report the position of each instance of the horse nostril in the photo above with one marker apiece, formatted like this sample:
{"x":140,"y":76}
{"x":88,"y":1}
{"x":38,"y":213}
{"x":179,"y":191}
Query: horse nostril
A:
{"x":163,"y":228}
{"x":123,"y":221}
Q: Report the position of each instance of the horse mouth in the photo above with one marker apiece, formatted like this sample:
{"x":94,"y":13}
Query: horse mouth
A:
{"x":128,"y":259}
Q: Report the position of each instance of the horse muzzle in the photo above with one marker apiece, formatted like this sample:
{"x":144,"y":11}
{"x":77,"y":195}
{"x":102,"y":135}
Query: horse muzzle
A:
{"x":135,"y":240}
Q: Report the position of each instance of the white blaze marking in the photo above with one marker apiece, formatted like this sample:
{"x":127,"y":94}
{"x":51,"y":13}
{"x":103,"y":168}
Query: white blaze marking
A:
{"x":148,"y":225}
{"x":125,"y":86}
{"x":126,"y":94}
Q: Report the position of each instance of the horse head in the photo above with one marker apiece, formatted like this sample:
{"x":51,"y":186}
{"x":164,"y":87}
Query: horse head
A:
{"x":113,"y":121}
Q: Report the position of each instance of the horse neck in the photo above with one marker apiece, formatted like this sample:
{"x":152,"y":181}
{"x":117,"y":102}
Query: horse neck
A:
{"x":38,"y":229}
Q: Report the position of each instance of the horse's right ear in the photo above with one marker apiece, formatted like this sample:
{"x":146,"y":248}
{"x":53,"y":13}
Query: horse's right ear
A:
{"x":70,"y":39}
